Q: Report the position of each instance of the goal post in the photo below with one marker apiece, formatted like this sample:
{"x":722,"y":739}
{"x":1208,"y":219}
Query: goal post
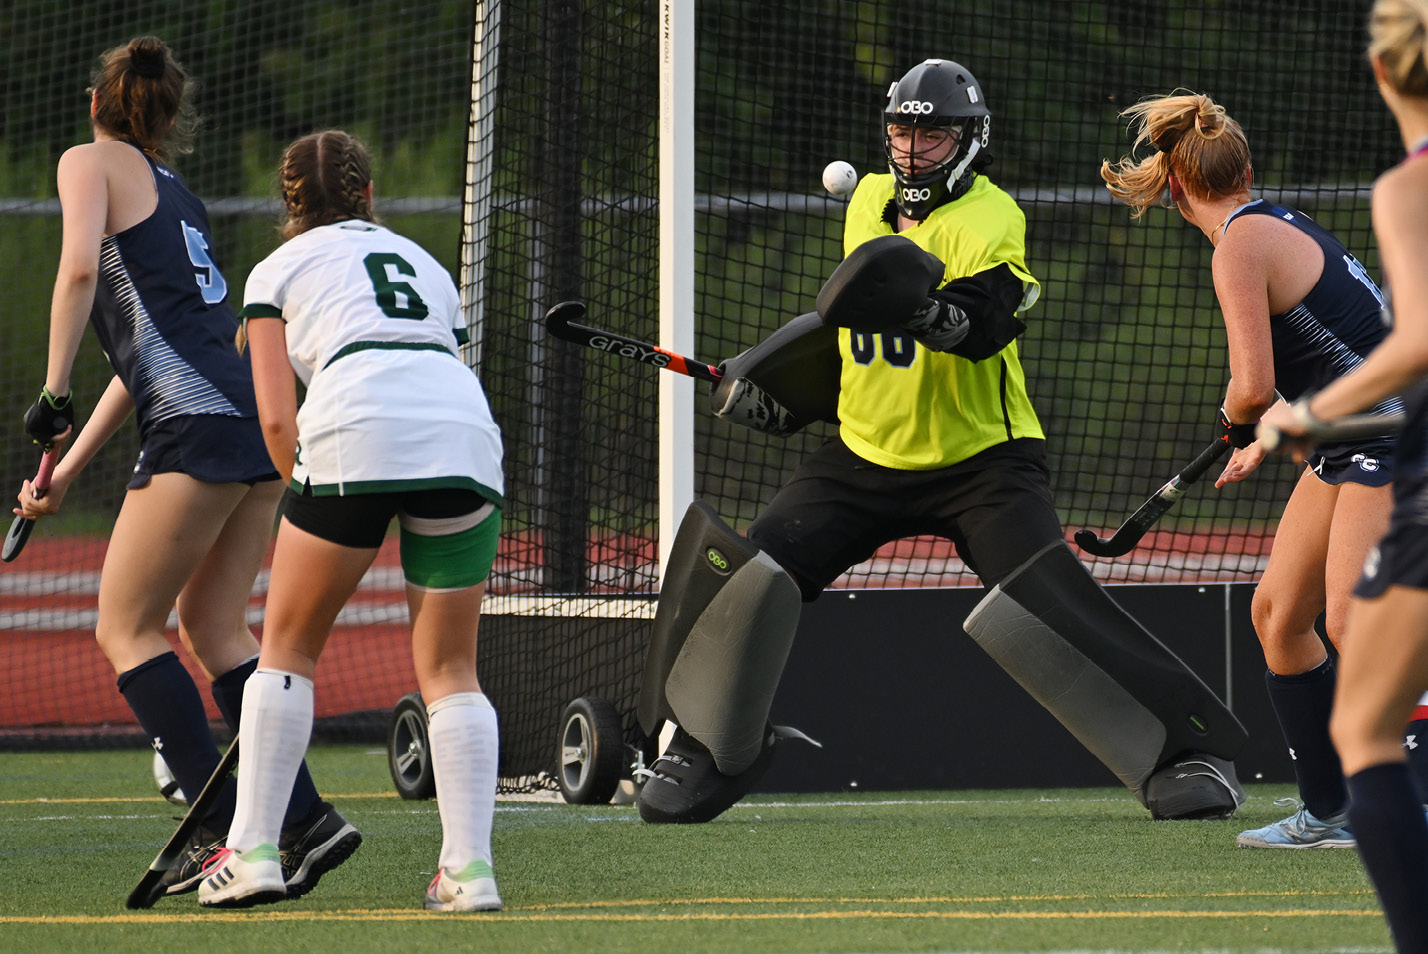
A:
{"x":677,"y":77}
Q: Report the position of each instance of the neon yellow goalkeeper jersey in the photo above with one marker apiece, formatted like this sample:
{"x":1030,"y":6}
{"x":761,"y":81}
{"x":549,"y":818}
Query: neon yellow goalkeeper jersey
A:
{"x":903,"y":406}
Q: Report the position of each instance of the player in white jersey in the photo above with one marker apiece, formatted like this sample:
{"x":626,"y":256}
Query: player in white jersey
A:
{"x":394,"y":424}
{"x":368,"y":317}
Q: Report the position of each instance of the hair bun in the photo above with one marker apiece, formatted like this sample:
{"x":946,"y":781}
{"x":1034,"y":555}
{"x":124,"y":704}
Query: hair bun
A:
{"x":148,"y":61}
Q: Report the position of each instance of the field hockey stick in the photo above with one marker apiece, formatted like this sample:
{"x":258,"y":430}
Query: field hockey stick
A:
{"x":561,"y":321}
{"x":149,"y":889}
{"x":1351,"y":427}
{"x":1129,"y":533}
{"x":20,"y":527}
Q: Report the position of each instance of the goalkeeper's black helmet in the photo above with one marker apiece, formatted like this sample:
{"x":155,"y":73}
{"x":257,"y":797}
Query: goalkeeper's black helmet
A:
{"x":938,"y":93}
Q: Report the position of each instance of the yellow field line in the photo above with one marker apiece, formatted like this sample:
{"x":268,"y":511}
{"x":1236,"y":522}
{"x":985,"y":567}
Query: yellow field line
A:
{"x":934,"y":899}
{"x":521,"y":916}
{"x":153,"y":799}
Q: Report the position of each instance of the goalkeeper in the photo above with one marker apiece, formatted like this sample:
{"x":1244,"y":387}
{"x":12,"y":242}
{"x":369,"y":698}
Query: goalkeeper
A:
{"x":936,"y":436}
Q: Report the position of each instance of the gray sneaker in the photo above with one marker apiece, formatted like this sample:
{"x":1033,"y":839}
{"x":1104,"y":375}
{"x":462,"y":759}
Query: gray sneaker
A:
{"x":186,"y":873}
{"x":1300,"y":830}
{"x":315,"y":846}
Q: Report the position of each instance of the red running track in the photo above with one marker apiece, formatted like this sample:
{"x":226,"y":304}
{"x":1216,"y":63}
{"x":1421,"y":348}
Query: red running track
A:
{"x":53,"y":675}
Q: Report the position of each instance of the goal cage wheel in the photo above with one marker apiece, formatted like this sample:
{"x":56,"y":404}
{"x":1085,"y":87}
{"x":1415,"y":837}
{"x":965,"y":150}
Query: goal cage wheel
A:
{"x":409,"y":749}
{"x":591,"y":753}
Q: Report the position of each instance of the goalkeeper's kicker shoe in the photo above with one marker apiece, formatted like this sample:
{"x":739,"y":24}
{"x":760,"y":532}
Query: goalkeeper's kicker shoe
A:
{"x":1300,"y":830}
{"x":314,"y":846}
{"x":473,"y":888}
{"x":1194,"y":786}
{"x":685,"y":785}
{"x":232,"y":880}
{"x":188,"y":870}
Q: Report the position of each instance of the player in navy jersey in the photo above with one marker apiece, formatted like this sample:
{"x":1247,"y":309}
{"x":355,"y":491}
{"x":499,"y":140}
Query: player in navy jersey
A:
{"x":137,"y":262}
{"x":1299,"y":313}
{"x":1384,"y":668}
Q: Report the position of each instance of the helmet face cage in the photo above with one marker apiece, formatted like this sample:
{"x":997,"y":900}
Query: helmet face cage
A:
{"x":917,"y":168}
{"x":936,"y":94}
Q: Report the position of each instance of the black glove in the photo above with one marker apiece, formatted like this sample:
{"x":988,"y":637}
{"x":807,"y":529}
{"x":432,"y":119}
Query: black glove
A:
{"x":1239,"y":435}
{"x":49,"y":416}
{"x":938,"y":324}
{"x":743,"y":402}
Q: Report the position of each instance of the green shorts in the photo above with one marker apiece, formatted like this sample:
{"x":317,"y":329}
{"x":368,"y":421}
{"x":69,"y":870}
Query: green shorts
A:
{"x":448,"y":535}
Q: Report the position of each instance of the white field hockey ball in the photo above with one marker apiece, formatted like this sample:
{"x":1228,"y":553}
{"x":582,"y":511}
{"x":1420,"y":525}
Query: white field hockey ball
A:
{"x":839,"y":177}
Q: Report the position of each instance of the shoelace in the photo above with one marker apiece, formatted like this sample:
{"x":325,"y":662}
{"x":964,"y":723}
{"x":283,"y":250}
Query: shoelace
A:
{"x":1209,"y":772}
{"x":221,"y":856}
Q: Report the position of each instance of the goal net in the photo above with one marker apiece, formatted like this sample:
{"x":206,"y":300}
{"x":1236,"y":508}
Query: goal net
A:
{"x":518,"y":140}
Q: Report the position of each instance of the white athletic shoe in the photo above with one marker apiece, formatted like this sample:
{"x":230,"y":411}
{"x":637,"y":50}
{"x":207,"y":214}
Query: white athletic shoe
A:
{"x":232,"y":880}
{"x":1300,"y":830}
{"x":471,"y":889}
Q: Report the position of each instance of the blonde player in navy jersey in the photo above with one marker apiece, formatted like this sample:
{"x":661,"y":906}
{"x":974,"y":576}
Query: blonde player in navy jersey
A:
{"x":1300,"y":312}
{"x":936,"y":435}
{"x":394,"y":424}
{"x":137,"y":262}
{"x":1384,"y":666}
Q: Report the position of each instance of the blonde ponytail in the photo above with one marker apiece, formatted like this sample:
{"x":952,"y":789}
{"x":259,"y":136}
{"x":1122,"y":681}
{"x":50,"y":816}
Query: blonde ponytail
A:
{"x":1398,"y":36}
{"x":1194,"y":140}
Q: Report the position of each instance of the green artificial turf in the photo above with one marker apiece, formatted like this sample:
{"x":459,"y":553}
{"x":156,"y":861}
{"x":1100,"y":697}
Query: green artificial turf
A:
{"x":1056,"y":870}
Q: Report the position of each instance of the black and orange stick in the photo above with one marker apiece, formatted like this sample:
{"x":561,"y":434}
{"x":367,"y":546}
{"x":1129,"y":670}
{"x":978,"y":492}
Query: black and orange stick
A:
{"x":561,"y":321}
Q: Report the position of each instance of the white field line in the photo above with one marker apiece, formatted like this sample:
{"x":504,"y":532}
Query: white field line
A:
{"x":1206,"y":567}
{"x":383,"y":587}
{"x":381,"y":599}
{"x":380,"y":594}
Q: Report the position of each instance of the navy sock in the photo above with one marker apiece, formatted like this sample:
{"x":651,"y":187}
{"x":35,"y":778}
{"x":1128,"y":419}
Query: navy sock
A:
{"x":228,"y":695}
{"x":170,"y":710}
{"x":1386,"y":816}
{"x":1301,"y":703}
{"x":1415,"y":741}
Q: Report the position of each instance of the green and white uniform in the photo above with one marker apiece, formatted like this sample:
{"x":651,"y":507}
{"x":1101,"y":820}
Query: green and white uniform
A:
{"x":373,"y":327}
{"x":909,"y":408}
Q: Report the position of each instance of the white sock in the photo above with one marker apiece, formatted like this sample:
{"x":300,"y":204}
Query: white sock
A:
{"x":273,"y":733}
{"x":464,"y":750}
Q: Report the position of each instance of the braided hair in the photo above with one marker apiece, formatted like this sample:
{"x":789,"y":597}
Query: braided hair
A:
{"x":141,"y":94}
{"x":323,"y":178}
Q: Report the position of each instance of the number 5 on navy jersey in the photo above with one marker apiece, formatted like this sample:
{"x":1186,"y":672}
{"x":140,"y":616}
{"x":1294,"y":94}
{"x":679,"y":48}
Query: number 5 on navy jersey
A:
{"x":211,"y":283}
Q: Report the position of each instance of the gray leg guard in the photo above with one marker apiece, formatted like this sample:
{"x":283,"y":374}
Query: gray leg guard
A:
{"x":1113,"y":685}
{"x":725,"y":623}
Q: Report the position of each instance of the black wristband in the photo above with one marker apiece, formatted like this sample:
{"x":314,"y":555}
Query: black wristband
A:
{"x":1237,"y":435}
{"x":49,"y":416}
